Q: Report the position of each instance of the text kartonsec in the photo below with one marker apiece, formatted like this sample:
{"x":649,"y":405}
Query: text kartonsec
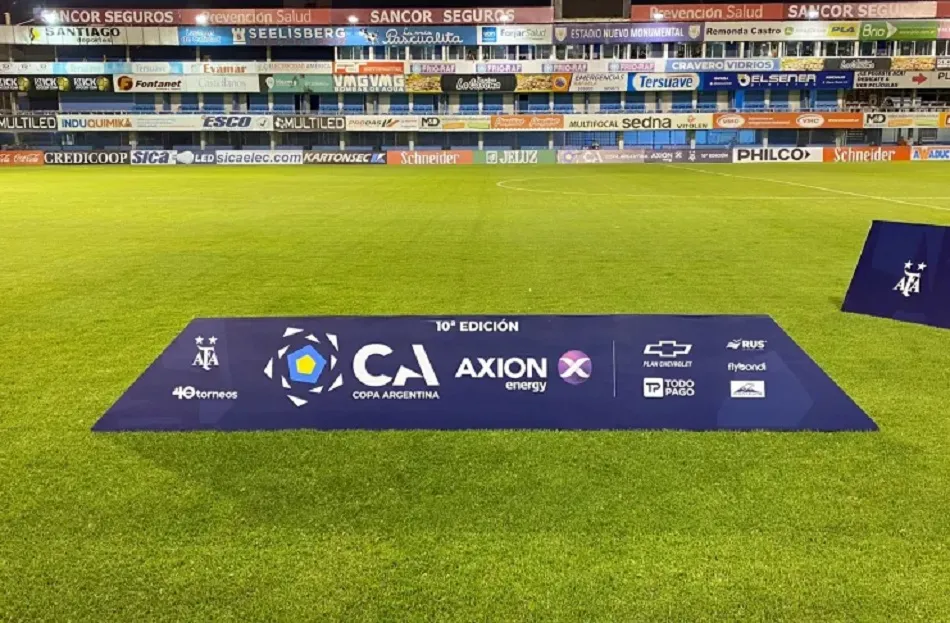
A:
{"x":343,"y":157}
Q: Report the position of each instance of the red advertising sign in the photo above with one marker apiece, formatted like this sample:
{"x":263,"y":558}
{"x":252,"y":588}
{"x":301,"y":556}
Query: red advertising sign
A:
{"x":707,"y":12}
{"x":943,"y":9}
{"x":278,"y":17}
{"x":450,"y":156}
{"x":860,"y":10}
{"x":788,"y":120}
{"x":385,"y":17}
{"x":866,"y":154}
{"x":391,"y":68}
{"x":21,"y":159}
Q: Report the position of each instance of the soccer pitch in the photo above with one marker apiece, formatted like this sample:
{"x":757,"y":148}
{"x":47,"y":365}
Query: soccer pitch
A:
{"x":101,"y":267}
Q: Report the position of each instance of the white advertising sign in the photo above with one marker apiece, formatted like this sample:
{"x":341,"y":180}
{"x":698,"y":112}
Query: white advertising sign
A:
{"x":788,"y":155}
{"x":648,"y":121}
{"x":781,"y":31}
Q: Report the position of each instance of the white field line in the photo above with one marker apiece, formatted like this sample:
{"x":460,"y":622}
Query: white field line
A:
{"x":510,"y":185}
{"x":836,"y":191}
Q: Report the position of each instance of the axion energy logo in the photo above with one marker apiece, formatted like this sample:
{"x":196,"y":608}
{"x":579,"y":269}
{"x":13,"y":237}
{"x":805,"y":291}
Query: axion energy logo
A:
{"x":453,"y":156}
{"x":791,"y":155}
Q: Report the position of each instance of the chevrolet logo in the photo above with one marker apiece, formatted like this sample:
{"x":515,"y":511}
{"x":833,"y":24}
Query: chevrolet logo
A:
{"x":667,"y":349}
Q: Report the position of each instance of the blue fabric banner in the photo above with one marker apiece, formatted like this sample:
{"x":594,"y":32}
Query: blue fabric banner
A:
{"x":525,"y":372}
{"x":904,"y":274}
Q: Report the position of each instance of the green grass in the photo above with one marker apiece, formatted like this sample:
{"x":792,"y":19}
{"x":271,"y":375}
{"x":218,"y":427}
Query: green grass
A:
{"x":101,"y":267}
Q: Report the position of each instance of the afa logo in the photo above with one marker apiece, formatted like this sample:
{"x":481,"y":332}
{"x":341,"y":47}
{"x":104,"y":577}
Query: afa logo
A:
{"x":302,"y":368}
{"x":910,"y":282}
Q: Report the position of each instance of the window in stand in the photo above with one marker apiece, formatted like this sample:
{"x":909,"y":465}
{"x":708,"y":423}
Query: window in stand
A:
{"x":761,"y":49}
{"x":543,"y":52}
{"x":396,"y":53}
{"x":495,"y":52}
{"x":715,"y":49}
{"x":611,"y":50}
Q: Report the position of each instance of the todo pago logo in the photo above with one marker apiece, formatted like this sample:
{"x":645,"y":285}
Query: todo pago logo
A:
{"x":300,"y":366}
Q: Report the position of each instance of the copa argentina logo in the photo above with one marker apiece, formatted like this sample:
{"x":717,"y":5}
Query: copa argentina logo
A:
{"x":307,"y":367}
{"x":909,"y":284}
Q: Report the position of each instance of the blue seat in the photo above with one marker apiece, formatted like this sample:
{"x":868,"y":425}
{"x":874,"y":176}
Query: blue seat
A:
{"x":259,"y":108}
{"x":353,"y":109}
{"x":610,"y":108}
{"x":213,"y":108}
{"x":329,"y":110}
{"x":682,"y":107}
{"x":468,"y":109}
{"x":188,"y":108}
{"x":539,"y":108}
{"x":707,"y":107}
{"x":284,"y":108}
{"x":493,"y":109}
{"x":569,"y":108}
{"x":399,"y":109}
{"x":425,"y":109}
{"x":631,"y":107}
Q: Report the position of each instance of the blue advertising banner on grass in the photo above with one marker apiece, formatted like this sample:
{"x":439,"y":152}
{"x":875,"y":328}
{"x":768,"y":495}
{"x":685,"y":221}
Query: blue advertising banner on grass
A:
{"x":778,"y":80}
{"x":904,"y":274}
{"x":526,"y":372}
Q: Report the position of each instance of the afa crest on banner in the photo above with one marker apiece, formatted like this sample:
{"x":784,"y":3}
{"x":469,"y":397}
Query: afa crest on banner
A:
{"x":903,"y":274}
{"x":526,"y":372}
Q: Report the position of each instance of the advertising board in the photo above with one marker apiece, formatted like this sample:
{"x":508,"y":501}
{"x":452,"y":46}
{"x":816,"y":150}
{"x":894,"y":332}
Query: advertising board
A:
{"x":788,"y":121}
{"x":785,"y":155}
{"x":434,"y":157}
{"x":455,"y":373}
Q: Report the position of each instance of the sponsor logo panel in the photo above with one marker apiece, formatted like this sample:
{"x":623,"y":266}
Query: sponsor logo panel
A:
{"x":343,"y":157}
{"x":902,"y":120}
{"x":899,"y":30}
{"x":258,"y":156}
{"x":706,"y":12}
{"x":29,"y":123}
{"x":804,"y":121}
{"x":533,"y":34}
{"x":933,"y":152}
{"x":902,"y":79}
{"x":778,"y":80}
{"x":153,"y":157}
{"x":482,"y":372}
{"x":527,"y":122}
{"x":30,"y":83}
{"x":24,"y":158}
{"x":866,"y":154}
{"x":396,"y":16}
{"x":371,"y":83}
{"x":781,"y":31}
{"x":601,"y":156}
{"x":722,"y":64}
{"x":664,"y":82}
{"x":516,"y":156}
{"x":309,"y":123}
{"x":647,"y":121}
{"x":759,"y":155}
{"x":382,"y":123}
{"x":861,"y":10}
{"x":95,"y":157}
{"x":449,"y":156}
{"x":627,"y":33}
{"x":390,"y":68}
{"x":298,"y":83}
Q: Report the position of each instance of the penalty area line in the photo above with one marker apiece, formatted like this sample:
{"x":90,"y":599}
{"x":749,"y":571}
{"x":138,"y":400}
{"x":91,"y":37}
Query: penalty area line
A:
{"x":836,"y":191}
{"x":507,"y":185}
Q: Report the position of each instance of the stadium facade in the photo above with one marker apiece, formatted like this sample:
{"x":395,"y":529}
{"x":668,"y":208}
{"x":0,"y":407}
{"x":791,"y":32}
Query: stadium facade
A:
{"x":793,"y":82}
